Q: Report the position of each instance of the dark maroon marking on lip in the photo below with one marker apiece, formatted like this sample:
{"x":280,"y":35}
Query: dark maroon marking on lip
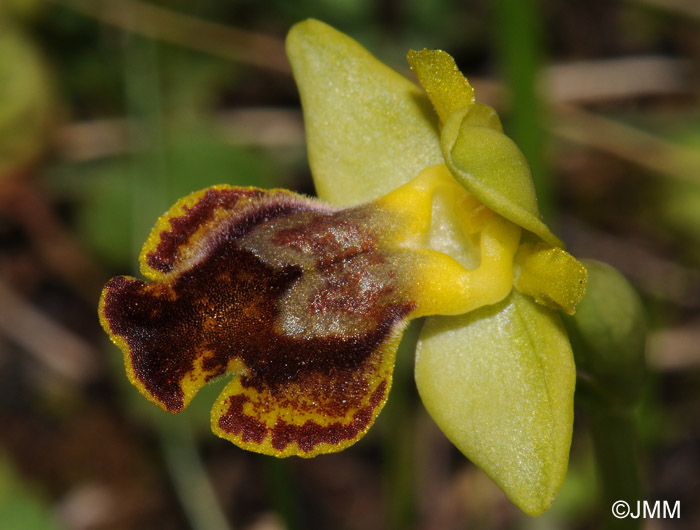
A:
{"x":226,"y":305}
{"x":308,"y":435}
{"x":166,"y":333}
{"x":311,"y":434}
{"x":236,"y":422}
{"x":184,"y":226}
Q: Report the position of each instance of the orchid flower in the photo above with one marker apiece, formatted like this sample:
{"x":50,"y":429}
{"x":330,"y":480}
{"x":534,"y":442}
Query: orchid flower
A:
{"x":428,"y":211}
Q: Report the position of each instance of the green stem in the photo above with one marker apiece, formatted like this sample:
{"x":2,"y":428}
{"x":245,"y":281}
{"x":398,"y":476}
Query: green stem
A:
{"x":281,"y":487}
{"x":616,"y":451}
{"x":398,"y":441}
{"x":146,"y":134}
{"x":189,"y":476}
{"x":519,"y":44}
{"x":149,"y":188}
{"x":608,"y":336}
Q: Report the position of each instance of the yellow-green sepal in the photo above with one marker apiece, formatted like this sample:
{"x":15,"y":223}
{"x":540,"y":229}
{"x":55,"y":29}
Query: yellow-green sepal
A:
{"x":368,"y":128}
{"x":493,"y":169}
{"x":499,"y":382}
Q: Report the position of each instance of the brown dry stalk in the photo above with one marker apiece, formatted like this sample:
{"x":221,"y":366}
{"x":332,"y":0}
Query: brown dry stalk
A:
{"x":256,"y":49}
{"x":627,"y":142}
{"x":56,"y":347}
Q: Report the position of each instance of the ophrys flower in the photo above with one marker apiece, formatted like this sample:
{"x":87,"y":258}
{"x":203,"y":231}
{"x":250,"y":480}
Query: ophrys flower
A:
{"x":304,"y":302}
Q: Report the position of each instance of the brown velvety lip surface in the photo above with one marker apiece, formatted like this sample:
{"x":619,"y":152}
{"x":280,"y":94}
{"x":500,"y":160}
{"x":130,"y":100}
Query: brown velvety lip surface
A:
{"x":225,"y":308}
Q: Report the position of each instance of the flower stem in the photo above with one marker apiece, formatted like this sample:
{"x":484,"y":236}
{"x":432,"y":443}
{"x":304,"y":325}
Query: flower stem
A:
{"x":519,"y":43}
{"x":189,"y":476}
{"x":282,"y":490}
{"x":615,"y":445}
{"x":398,"y":439}
{"x":149,"y":187}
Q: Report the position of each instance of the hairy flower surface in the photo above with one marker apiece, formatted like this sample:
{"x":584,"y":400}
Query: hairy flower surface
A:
{"x":303,"y":302}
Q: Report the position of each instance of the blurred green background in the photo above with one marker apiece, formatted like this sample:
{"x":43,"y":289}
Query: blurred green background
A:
{"x":110,"y":110}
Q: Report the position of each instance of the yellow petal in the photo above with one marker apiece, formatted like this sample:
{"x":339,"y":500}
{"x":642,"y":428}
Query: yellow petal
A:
{"x":485,"y":161}
{"x":439,"y":284}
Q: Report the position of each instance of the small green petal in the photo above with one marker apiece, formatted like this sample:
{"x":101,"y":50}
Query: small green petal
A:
{"x":499,"y":383}
{"x":439,"y":76}
{"x":552,"y":276}
{"x":480,"y":115}
{"x":368,"y":129}
{"x":491,"y":167}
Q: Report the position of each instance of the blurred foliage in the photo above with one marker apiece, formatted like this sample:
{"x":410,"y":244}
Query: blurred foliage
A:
{"x":676,"y":203}
{"x":20,"y":505}
{"x":103,"y":191}
{"x":25,"y":98}
{"x":101,"y":129}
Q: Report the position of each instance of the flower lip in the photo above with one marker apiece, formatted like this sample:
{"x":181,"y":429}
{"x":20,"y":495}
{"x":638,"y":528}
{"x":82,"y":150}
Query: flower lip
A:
{"x":221,"y":309}
{"x":183,"y":228}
